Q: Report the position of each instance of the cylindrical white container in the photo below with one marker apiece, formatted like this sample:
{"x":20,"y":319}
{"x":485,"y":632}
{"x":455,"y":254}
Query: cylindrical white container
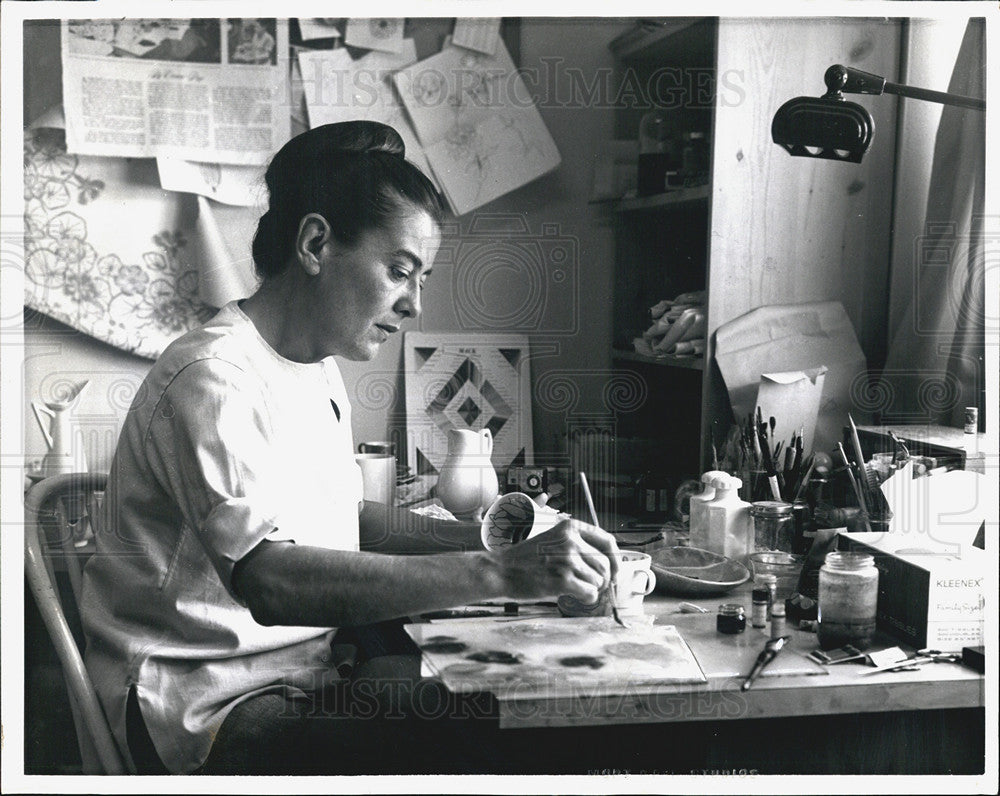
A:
{"x":848,"y":600}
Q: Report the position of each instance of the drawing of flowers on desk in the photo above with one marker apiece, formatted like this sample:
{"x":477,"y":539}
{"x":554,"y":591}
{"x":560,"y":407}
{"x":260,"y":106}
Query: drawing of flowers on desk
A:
{"x":481,"y":137}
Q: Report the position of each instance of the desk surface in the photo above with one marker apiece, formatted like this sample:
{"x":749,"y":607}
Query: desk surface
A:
{"x":791,"y":686}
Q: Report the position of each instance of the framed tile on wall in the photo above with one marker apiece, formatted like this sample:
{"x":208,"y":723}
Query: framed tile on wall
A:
{"x":467,"y":381}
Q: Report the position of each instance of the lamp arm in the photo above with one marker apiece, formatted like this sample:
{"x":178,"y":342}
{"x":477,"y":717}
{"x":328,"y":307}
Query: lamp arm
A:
{"x":941,"y":97}
{"x":848,"y":80}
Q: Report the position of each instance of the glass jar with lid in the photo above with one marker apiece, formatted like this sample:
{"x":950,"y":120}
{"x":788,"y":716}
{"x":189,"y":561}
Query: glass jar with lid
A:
{"x":848,"y":600}
{"x":773,"y":525}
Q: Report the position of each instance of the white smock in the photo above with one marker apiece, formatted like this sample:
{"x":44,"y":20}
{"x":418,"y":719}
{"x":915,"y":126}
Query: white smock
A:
{"x":226,"y":444}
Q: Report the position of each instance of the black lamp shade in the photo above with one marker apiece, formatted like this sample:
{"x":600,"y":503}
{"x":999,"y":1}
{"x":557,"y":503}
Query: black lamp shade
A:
{"x":823,"y":128}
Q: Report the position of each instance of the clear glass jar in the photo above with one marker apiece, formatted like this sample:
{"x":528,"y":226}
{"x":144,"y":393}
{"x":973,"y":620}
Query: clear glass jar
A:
{"x":848,"y":599}
{"x":773,"y":525}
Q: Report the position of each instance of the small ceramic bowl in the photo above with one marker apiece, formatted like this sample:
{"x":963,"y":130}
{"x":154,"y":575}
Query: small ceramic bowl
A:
{"x":691,"y":571}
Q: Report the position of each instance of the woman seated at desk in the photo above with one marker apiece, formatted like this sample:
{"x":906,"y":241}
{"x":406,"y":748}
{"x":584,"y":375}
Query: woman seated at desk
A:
{"x":239,"y":555}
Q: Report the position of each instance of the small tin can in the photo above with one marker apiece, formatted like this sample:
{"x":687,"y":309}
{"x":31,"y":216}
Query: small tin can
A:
{"x":731,"y":619}
{"x":971,"y":419}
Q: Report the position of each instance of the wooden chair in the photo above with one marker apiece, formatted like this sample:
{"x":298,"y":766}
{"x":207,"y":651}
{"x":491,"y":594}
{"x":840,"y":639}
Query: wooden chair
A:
{"x":66,"y":501}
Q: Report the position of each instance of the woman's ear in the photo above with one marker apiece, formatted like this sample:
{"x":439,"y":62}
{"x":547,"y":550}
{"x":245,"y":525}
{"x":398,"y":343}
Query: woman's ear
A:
{"x":314,"y":233}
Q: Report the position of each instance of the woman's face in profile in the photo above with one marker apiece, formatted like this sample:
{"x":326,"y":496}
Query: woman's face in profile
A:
{"x":367,"y":290}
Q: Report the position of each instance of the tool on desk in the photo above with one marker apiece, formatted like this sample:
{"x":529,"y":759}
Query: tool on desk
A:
{"x":912,"y":664}
{"x":770,"y":652}
{"x":459,"y":613}
{"x":840,"y":655}
{"x":593,"y":518}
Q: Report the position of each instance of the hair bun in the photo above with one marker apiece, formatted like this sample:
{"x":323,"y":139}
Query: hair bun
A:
{"x":318,"y":144}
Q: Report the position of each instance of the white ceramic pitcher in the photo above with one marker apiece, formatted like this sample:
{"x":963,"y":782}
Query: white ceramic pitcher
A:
{"x":54,"y":420}
{"x":468,"y":483}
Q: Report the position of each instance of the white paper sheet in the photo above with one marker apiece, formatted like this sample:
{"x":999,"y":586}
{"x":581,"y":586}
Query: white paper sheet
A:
{"x":477,"y":33}
{"x":385,"y":35}
{"x":554,"y":656}
{"x":338,"y":89}
{"x":792,"y":398}
{"x":483,"y":135}
{"x":313,"y":28}
{"x":223,"y":275}
{"x":941,"y":512}
{"x":231,"y":185}
{"x":213,"y":90}
{"x":793,"y":337}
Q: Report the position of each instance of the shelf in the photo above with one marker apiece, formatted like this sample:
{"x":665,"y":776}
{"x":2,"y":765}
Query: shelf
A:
{"x":678,"y":198}
{"x":666,"y":360}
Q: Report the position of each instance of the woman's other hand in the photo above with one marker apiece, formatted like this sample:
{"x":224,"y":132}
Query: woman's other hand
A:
{"x":571,"y":558}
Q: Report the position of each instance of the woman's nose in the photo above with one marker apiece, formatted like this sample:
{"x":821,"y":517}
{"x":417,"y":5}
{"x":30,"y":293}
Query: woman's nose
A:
{"x":409,"y":304}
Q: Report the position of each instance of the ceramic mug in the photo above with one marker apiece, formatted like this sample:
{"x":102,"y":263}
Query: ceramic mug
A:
{"x":635,"y":580}
{"x":378,"y":476}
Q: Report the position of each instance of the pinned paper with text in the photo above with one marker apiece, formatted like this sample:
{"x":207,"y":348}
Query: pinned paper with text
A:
{"x":209,"y":90}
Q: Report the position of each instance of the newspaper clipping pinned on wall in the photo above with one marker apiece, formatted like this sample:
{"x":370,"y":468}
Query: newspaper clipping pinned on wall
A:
{"x":211,"y":90}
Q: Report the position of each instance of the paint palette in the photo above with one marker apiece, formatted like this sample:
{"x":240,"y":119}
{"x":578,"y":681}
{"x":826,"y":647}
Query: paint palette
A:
{"x":553,"y":656}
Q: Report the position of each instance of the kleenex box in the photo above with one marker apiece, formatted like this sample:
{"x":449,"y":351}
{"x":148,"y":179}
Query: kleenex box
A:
{"x":928,"y":596}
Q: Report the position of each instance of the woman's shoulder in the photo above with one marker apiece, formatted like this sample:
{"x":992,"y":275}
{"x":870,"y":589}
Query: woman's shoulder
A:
{"x":224,"y":345}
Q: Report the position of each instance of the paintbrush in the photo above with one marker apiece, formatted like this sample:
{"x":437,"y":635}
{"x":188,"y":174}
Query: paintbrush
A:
{"x":767,"y":461}
{"x":869,"y":483}
{"x":854,"y":485}
{"x":593,"y":518}
{"x":804,"y":481}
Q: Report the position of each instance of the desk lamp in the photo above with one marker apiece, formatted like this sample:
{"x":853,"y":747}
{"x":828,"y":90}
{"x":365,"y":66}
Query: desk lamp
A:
{"x":830,"y":127}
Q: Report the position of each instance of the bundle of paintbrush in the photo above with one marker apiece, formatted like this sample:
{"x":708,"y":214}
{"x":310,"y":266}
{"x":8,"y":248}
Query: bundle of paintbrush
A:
{"x":772,"y":469}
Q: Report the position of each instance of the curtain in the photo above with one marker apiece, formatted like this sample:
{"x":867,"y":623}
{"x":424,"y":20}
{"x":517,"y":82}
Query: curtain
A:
{"x":935,"y":365}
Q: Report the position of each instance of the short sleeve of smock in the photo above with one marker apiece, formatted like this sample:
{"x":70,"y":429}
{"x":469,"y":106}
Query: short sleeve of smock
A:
{"x":210,"y":436}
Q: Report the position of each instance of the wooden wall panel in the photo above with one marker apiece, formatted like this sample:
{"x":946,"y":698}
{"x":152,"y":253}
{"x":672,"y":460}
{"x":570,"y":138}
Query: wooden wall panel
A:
{"x":790,"y":229}
{"x":784,"y":229}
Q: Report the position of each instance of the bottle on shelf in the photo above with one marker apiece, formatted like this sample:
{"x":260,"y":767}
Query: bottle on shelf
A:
{"x":657,"y":152}
{"x":654,"y":493}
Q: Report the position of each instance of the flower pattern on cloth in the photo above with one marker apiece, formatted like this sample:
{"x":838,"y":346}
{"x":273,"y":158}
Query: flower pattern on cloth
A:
{"x":137,"y":302}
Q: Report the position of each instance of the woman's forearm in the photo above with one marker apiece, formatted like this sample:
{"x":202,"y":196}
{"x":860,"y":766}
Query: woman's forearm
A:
{"x":288,"y":584}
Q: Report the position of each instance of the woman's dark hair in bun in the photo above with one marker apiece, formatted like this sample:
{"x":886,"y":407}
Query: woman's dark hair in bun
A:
{"x":354,"y":174}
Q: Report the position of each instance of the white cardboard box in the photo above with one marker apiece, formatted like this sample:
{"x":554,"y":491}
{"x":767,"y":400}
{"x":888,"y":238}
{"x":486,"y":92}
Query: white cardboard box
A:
{"x":927,"y":597}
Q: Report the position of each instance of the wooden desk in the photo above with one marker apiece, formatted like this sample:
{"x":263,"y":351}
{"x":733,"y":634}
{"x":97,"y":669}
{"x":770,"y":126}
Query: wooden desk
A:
{"x":930,"y":721}
{"x":784,"y":689}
